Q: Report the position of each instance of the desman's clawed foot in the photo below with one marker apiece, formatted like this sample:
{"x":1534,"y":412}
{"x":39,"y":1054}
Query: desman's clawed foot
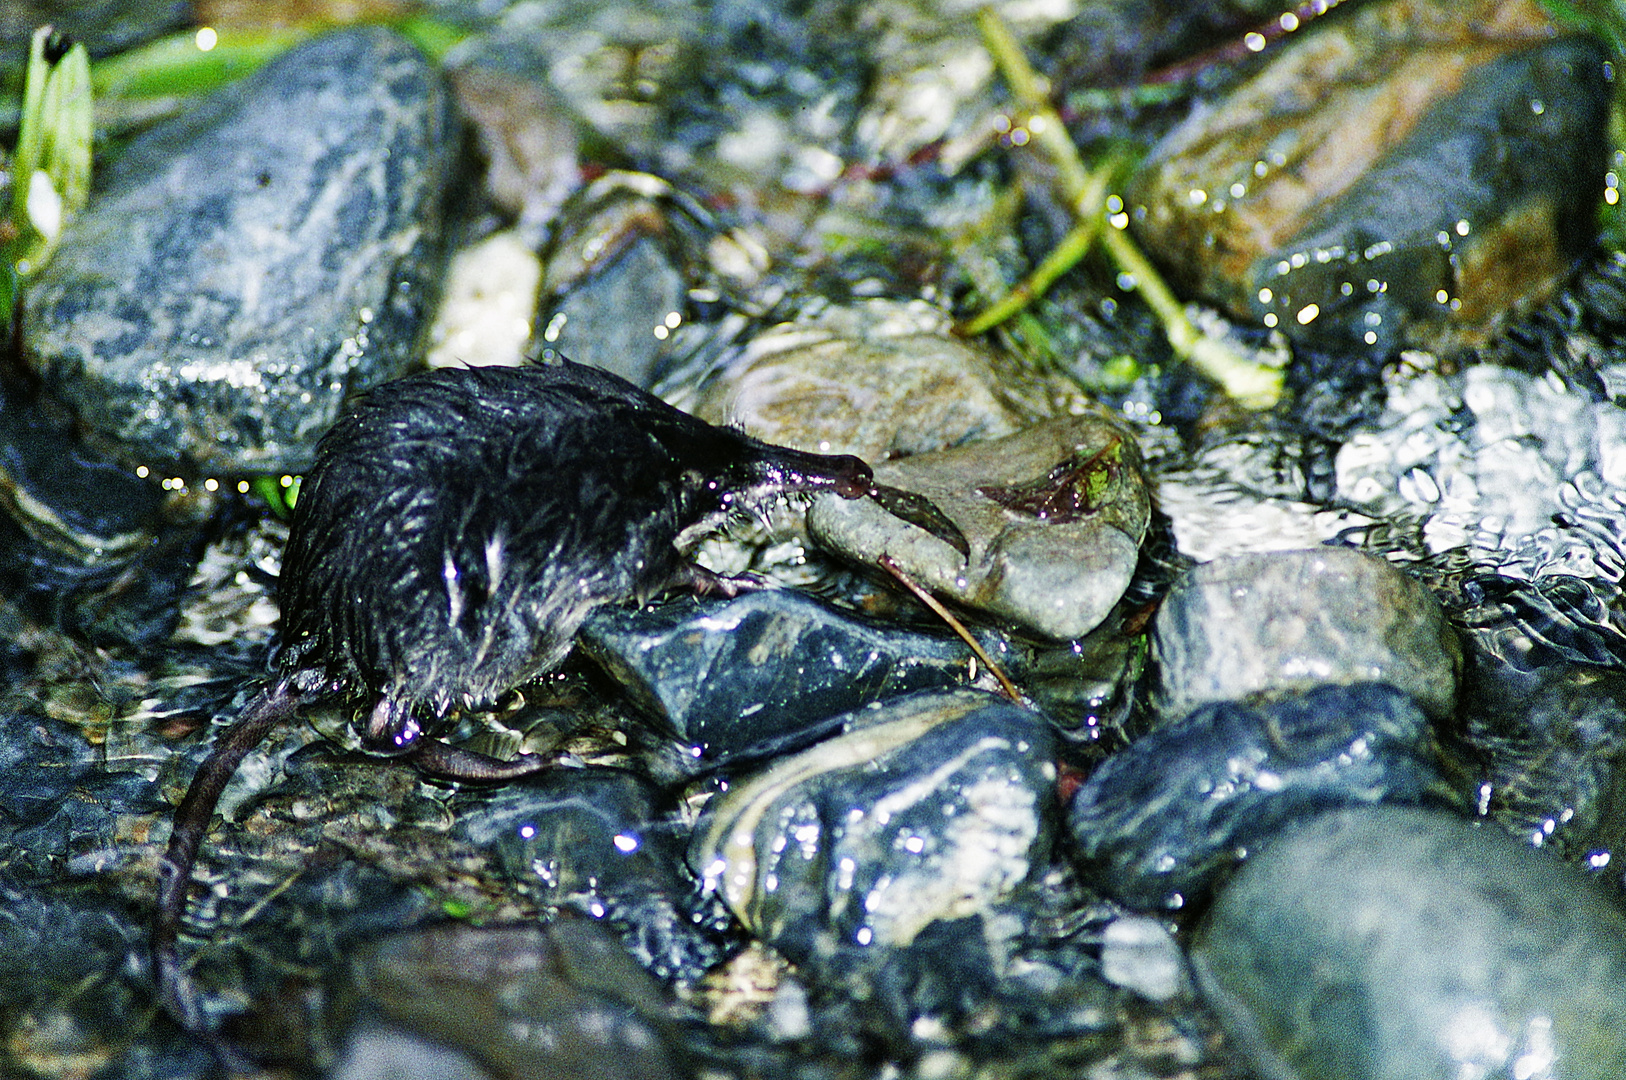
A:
{"x":700,"y":581}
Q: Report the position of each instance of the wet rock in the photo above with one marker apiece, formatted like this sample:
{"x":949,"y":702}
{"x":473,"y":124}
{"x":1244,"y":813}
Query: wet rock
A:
{"x":489,"y":304}
{"x":765,"y":666}
{"x":1543,"y":717}
{"x":601,"y":842}
{"x":928,"y":808}
{"x":933,"y":84}
{"x":614,"y":69}
{"x":84,"y":545}
{"x":1282,"y":621}
{"x":558,"y":1001}
{"x":1158,"y":823}
{"x":1398,"y":944}
{"x":1410,"y":174}
{"x":240,"y":275}
{"x":616,"y":282}
{"x":1141,"y":954}
{"x":73,"y":993}
{"x":381,"y":1051}
{"x":881,"y":379}
{"x":973,"y":989}
{"x":1054,"y":516}
{"x":1553,"y":747}
{"x":527,"y":136}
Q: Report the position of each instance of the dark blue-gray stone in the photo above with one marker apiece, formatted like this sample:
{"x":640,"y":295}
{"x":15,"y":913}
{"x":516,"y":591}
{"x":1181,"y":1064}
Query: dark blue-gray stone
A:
{"x":248,"y":265}
{"x":603,"y":842}
{"x":730,"y":675}
{"x":86,"y":546}
{"x":1396,"y":943}
{"x":1157,"y":824}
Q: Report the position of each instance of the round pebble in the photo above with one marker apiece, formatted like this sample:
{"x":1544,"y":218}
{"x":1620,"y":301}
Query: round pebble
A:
{"x":1269,"y":623}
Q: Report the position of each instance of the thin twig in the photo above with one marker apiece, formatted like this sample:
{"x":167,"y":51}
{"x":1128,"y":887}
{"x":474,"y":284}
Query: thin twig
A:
{"x":954,"y":624}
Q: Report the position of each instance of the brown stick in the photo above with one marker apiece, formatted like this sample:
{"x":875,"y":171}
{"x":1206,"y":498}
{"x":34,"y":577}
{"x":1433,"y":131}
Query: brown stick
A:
{"x":954,"y":624}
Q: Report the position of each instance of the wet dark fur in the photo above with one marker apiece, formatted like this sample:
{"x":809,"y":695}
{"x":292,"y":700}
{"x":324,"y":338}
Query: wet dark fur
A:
{"x":459,"y":525}
{"x":456,"y":529}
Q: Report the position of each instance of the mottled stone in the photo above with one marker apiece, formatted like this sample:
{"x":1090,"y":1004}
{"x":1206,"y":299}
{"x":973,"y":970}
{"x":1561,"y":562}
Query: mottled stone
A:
{"x":1273,"y":622}
{"x":879,"y":379}
{"x":1402,"y":944}
{"x":1159,"y":822}
{"x":1053,"y":517}
{"x":1410,"y":174}
{"x":240,"y":274}
{"x":765,"y":666}
{"x":616,"y":283}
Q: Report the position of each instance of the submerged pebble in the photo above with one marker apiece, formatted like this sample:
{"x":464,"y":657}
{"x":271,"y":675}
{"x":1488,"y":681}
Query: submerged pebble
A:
{"x":1409,"y":174}
{"x":85,"y":545}
{"x":240,"y":275}
{"x":1279,"y":621}
{"x":562,"y":1001}
{"x":1405,"y":944}
{"x":1543,"y":717}
{"x":601,"y":842}
{"x":617,"y":280}
{"x":1159,"y":823}
{"x":1053,"y":515}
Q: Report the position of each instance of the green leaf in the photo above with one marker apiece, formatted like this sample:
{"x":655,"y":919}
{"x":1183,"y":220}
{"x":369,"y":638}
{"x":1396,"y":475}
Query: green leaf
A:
{"x":190,"y":62}
{"x":51,"y":169}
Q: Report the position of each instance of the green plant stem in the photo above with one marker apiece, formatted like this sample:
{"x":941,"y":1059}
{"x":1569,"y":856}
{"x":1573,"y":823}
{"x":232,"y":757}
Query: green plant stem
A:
{"x":175,"y":65}
{"x":1073,"y":247}
{"x":1044,"y":124}
{"x":1252,"y":385}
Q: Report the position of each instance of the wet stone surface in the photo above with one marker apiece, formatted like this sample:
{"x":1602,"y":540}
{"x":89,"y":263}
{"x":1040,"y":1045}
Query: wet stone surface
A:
{"x":1399,"y":944}
{"x":1410,"y":174}
{"x":879,"y":379}
{"x":1543,"y":717}
{"x":927,"y":808}
{"x":562,"y":1001}
{"x":618,"y":279}
{"x":767,"y":666}
{"x":607,"y":844}
{"x":1053,"y":516}
{"x":1264,"y":624}
{"x":87,"y":545}
{"x":1158,"y":824}
{"x":239,"y":275}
